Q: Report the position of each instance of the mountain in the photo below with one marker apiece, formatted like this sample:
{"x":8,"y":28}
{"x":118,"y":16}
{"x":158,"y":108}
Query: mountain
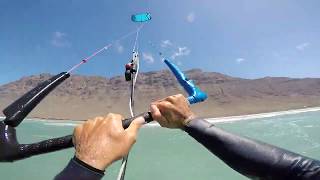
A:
{"x":82,"y":97}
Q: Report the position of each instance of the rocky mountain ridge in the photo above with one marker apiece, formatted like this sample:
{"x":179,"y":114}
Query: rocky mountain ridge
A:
{"x":82,"y":97}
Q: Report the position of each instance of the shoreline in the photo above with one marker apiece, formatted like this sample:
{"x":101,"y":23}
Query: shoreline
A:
{"x":230,"y":119}
{"x":225,"y":119}
{"x":261,"y":115}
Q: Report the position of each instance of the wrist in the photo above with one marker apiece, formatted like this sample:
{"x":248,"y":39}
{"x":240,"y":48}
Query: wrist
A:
{"x":97,"y":164}
{"x":87,"y":166}
{"x":190,"y":118}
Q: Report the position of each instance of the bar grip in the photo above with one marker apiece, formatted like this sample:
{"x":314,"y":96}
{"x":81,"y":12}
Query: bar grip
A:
{"x":18,"y":110}
{"x":147,"y":117}
{"x":11,"y":150}
{"x":46,"y":146}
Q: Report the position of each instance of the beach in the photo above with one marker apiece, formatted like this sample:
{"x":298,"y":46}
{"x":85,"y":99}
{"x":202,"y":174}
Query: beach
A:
{"x":216,"y":120}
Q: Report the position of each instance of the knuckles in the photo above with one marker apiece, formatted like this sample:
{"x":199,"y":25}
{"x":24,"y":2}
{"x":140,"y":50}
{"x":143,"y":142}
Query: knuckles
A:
{"x":164,"y":104}
{"x":180,"y":96}
{"x":114,"y":116}
{"x":170,"y":98}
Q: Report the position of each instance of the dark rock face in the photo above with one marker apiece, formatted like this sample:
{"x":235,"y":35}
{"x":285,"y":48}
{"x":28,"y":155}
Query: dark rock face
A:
{"x":81,"y":97}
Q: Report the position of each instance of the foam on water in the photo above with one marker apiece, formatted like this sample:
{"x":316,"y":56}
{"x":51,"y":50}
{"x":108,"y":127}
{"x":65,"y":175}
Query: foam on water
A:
{"x":230,"y":119}
{"x":261,"y":115}
{"x":62,"y":123}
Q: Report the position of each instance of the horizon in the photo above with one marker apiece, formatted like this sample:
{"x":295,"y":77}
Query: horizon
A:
{"x":115,"y":76}
{"x":243,"y":39}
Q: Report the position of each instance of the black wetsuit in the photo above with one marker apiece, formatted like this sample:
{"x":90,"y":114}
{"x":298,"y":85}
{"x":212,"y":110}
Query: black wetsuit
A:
{"x":251,"y":158}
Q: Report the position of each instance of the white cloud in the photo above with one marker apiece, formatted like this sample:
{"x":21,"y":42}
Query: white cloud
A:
{"x":166,"y":43}
{"x":240,"y":60}
{"x":181,"y":51}
{"x":175,"y":51}
{"x":302,"y":46}
{"x":119,"y":48}
{"x":59,"y":39}
{"x":148,"y":57}
{"x":191,"y":17}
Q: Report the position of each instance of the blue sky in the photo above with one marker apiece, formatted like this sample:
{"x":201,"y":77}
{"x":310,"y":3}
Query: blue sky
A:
{"x":243,"y":38}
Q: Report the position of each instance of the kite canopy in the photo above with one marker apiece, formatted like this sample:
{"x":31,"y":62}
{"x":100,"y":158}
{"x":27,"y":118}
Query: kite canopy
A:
{"x":142,"y":17}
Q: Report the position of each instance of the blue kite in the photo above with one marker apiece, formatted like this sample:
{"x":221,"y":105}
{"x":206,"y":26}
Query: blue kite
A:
{"x":142,"y":17}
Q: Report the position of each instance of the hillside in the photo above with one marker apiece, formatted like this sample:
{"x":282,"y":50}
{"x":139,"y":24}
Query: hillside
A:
{"x":82,"y":97}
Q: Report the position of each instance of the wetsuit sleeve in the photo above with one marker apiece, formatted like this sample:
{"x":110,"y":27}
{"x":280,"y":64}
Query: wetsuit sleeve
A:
{"x":252,"y":158}
{"x":76,"y":169}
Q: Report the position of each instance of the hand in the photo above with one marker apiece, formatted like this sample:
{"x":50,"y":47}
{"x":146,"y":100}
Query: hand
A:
{"x":102,"y":141}
{"x":172,"y":112}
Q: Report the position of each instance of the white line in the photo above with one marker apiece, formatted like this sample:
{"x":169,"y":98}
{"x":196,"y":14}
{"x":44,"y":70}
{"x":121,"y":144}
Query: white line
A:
{"x":261,"y":115}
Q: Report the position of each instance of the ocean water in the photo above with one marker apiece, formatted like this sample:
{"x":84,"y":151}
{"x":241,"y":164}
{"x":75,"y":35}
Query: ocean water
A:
{"x":161,"y":154}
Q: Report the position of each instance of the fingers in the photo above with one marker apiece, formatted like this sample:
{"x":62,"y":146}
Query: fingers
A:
{"x":76,"y":134}
{"x":133,"y":129}
{"x":156,"y":114}
{"x":77,"y":131}
{"x":115,"y":119}
{"x":176,"y":98}
{"x":114,"y":116}
{"x":138,"y":121}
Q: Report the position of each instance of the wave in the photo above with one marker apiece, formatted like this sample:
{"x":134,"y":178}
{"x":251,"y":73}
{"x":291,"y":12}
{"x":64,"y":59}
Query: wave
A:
{"x":63,"y":124}
{"x":230,"y":119}
{"x":260,"y":115}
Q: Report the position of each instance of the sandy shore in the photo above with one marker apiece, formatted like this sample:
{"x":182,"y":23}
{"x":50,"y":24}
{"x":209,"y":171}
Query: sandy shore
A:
{"x":212,"y":120}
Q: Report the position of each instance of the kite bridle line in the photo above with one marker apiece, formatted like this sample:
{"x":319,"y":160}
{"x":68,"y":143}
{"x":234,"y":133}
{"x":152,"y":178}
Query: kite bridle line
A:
{"x":85,"y":60}
{"x":136,"y":64}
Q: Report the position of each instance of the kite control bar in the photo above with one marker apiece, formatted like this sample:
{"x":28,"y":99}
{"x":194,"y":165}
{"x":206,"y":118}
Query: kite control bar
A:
{"x":11,"y":150}
{"x":18,"y":110}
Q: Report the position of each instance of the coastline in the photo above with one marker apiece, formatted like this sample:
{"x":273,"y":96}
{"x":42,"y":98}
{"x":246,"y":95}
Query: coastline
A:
{"x":261,"y":115}
{"x":216,"y":120}
{"x":230,"y":119}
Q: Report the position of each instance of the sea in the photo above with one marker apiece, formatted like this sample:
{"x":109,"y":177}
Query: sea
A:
{"x":161,"y":154}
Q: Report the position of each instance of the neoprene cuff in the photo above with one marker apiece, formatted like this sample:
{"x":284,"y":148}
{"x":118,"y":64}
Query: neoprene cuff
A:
{"x":197,"y":124}
{"x":88,"y":166}
{"x":79,"y":170}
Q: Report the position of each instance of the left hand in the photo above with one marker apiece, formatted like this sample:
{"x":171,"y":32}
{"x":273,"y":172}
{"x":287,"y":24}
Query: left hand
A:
{"x":102,"y":141}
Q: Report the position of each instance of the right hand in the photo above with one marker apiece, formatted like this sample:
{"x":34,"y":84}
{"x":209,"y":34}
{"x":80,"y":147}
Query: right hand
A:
{"x":172,"y":112}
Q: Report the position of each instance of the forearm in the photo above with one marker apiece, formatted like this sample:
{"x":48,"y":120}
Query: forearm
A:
{"x":79,"y":170}
{"x":252,"y":158}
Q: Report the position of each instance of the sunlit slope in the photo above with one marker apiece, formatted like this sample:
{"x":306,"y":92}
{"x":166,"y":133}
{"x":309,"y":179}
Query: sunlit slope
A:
{"x":81,"y":97}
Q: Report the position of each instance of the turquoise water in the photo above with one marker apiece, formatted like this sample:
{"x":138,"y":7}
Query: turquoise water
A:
{"x":170,"y":154}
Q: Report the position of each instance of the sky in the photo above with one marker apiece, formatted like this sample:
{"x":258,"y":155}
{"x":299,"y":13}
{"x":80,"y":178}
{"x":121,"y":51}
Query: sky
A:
{"x":243,"y":38}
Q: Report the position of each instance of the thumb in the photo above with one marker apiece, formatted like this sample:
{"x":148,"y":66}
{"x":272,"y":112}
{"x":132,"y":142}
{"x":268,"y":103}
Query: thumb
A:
{"x":134,"y":127}
{"x":156,"y":114}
